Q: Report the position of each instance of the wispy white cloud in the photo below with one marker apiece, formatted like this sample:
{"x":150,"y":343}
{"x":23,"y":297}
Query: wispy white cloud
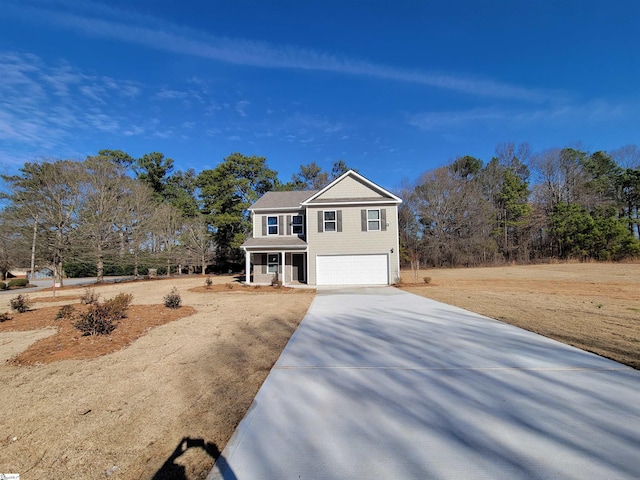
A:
{"x":133,"y":130}
{"x":241,"y":107}
{"x":596,"y":111}
{"x":43,"y":106}
{"x":445,"y":120}
{"x":167,"y":94}
{"x":103,"y":122}
{"x":102,"y":21}
{"x":302,"y":128}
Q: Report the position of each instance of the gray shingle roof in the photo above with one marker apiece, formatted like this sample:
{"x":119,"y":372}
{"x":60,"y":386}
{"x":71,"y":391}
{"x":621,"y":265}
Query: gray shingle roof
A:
{"x":282,"y":199}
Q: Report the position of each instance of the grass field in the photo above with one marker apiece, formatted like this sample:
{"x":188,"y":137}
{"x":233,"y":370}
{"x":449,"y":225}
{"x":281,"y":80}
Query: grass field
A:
{"x":167,"y":398}
{"x":162,"y":403}
{"x":593,"y":306}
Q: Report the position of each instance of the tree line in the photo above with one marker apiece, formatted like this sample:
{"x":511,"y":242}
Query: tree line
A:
{"x":114,"y":214}
{"x":521,"y":207}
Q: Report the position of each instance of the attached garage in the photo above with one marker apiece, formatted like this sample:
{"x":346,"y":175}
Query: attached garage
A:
{"x":352,"y":269}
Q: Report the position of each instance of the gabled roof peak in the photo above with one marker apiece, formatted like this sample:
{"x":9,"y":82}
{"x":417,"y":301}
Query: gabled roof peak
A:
{"x":357,"y":176}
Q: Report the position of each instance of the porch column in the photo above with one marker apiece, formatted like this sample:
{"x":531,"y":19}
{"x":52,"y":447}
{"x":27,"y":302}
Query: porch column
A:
{"x":284,"y":262}
{"x":247,"y":267}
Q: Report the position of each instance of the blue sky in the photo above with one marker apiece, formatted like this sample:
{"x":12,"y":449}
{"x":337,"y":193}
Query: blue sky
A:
{"x":394,"y":88}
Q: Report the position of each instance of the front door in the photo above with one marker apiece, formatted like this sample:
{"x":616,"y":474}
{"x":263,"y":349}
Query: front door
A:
{"x":297,"y":267}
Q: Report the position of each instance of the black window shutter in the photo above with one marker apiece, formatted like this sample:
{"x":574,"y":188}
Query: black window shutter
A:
{"x":320,"y":221}
{"x":281,"y":225}
{"x":263,"y":256}
{"x":264,"y":225}
{"x":363,"y":218}
{"x":383,"y":219}
{"x":339,"y":220}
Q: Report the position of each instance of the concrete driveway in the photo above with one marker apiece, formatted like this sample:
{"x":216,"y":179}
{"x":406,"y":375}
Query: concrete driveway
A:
{"x":379,"y":383}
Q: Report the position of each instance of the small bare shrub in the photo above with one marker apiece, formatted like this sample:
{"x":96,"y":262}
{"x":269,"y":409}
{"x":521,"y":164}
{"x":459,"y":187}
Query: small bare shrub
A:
{"x":90,"y":297}
{"x":276,"y":282}
{"x":97,"y":320}
{"x":119,"y":304}
{"x":102,"y":318}
{"x":4,"y":317}
{"x":21,"y":303}
{"x":427,"y":280}
{"x":229,"y":286}
{"x":66,"y":312}
{"x":208,"y":282}
{"x":172,"y":299}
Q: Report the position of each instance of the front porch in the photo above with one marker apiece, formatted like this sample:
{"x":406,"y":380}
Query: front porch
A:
{"x":283,"y":256}
{"x":290,"y":267}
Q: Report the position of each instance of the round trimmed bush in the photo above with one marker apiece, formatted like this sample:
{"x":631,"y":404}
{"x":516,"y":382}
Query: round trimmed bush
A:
{"x":18,"y":282}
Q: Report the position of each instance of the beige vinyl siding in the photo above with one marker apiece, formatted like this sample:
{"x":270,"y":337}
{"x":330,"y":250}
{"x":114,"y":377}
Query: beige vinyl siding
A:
{"x":352,"y":240}
{"x":260,"y":274}
{"x":349,"y":187}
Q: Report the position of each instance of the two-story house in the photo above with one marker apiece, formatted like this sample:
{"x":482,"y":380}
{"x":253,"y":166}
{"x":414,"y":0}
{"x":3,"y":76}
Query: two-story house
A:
{"x":343,"y":234}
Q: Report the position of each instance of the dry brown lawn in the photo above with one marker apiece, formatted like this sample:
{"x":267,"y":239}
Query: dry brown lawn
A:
{"x":593,"y":306}
{"x":159,"y":398}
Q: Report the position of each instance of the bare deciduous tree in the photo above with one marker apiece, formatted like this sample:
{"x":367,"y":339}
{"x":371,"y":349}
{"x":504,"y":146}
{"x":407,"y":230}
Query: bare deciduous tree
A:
{"x":50,"y":194}
{"x":136,"y":224}
{"x":168,"y":223}
{"x":104,"y":191}
{"x":198,"y":242}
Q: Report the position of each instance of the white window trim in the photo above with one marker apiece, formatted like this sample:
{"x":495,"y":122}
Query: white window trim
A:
{"x":325,"y":221}
{"x":379,"y":220}
{"x":294,"y":225}
{"x":276,"y":225}
{"x":270,"y":263}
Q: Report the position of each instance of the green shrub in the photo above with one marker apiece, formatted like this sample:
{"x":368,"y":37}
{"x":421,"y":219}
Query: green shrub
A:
{"x":89,"y":297}
{"x":208,"y":281}
{"x":66,"y":312}
{"x":18,"y":282}
{"x":21,"y":303}
{"x":4,"y":317}
{"x":172,"y":299}
{"x":80,"y":270}
{"x":3,"y":286}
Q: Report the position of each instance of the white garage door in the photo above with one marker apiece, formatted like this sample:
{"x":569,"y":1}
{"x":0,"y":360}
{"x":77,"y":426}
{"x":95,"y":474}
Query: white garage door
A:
{"x":352,"y":270}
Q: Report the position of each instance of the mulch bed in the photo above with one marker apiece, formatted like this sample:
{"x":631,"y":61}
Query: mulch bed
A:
{"x":237,"y":288}
{"x":70,"y":344}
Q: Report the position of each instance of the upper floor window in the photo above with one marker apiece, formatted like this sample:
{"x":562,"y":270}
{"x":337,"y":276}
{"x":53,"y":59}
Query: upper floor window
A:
{"x":373,"y":219}
{"x":330,"y":221}
{"x":272,"y":225}
{"x":297,"y":224}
